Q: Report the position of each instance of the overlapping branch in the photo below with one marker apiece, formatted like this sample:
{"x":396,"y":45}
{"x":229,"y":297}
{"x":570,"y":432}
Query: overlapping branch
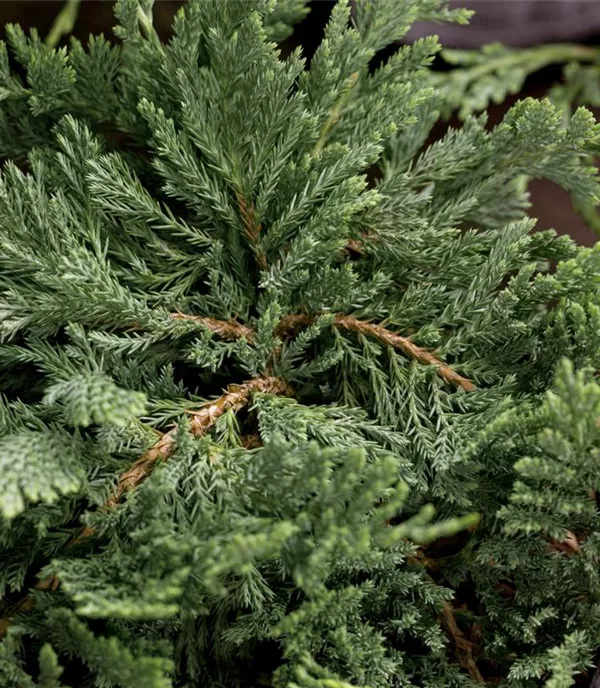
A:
{"x":463,"y":646}
{"x":405,"y":345}
{"x":234,"y":399}
{"x":289,"y":325}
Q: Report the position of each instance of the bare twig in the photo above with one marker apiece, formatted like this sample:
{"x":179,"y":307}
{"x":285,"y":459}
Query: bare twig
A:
{"x":288,"y":326}
{"x":229,"y":330}
{"x":235,"y":398}
{"x":405,"y":345}
{"x":462,"y":646}
{"x":293,"y":322}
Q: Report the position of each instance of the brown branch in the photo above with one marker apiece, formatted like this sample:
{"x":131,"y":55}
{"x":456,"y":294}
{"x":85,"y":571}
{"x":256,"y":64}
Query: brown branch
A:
{"x":462,"y":646}
{"x":252,"y":441}
{"x":234,"y":399}
{"x":570,"y":545}
{"x":229,"y":330}
{"x":406,"y":346}
{"x":354,"y":246}
{"x":252,"y":229}
{"x":25,"y":604}
{"x":357,"y":246}
{"x":293,"y":322}
{"x":420,"y":559}
{"x":232,"y":330}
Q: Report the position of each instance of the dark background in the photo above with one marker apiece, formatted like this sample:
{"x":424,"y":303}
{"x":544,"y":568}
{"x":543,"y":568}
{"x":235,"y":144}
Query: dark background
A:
{"x":550,"y":203}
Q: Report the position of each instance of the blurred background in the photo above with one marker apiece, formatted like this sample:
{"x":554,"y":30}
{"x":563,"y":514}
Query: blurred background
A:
{"x":518,"y":23}
{"x":521,"y":23}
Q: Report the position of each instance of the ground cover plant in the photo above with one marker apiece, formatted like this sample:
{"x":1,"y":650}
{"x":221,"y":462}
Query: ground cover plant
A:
{"x":290,"y":397}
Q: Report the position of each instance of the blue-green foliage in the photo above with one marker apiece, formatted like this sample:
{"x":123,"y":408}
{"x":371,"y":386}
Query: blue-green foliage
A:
{"x":288,"y":546}
{"x":536,"y":572}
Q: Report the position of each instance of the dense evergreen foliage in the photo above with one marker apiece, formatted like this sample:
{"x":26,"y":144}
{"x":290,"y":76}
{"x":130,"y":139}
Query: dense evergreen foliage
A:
{"x":490,"y":74}
{"x":292,"y":396}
